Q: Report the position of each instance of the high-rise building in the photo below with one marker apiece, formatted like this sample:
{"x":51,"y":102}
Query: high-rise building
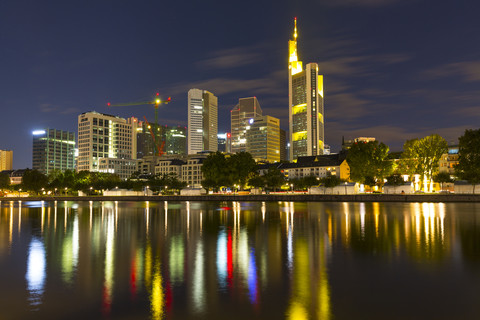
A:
{"x":246,"y":109}
{"x":107,"y":143}
{"x":202,"y":121}
{"x":224,"y":142}
{"x":263,"y":139}
{"x":53,"y":150}
{"x":283,"y":145}
{"x":305,"y":95}
{"x":6,"y":160}
{"x":173,"y":140}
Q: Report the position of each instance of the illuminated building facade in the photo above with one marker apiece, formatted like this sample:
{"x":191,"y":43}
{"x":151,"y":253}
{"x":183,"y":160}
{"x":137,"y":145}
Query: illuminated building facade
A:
{"x":173,"y":139}
{"x":53,"y":150}
{"x":202,"y":121}
{"x":105,"y":136}
{"x":246,"y":109}
{"x":6,"y":160}
{"x":225,"y":142}
{"x":305,"y":95}
{"x":263,"y":139}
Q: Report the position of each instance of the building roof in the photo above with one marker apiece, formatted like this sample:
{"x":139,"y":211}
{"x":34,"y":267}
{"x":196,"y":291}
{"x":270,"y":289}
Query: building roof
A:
{"x":15,"y":173}
{"x":328,"y":160}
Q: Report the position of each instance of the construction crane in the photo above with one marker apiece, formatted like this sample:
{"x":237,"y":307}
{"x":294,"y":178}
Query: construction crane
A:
{"x":156,"y":103}
{"x":159,"y":148}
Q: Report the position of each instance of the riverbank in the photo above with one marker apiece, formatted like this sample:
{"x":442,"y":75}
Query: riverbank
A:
{"x":271,"y":197}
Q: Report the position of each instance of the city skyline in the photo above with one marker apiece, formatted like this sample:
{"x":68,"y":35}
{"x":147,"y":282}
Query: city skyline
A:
{"x":393,"y":70}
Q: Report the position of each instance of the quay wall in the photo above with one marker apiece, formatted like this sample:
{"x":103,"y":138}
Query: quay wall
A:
{"x":271,"y":197}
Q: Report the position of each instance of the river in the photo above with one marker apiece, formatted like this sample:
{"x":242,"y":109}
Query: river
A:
{"x":239,"y":260}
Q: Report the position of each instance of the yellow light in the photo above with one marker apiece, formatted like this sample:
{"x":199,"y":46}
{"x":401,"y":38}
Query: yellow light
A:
{"x":320,"y":85}
{"x":158,"y":101}
{"x":299,"y":108}
{"x":301,"y":135}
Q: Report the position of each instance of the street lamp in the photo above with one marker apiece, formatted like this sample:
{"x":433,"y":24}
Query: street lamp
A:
{"x":291,"y":187}
{"x":91,"y":190}
{"x":345,"y":187}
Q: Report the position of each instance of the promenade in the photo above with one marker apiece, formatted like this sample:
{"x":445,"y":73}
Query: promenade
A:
{"x":269,"y":197}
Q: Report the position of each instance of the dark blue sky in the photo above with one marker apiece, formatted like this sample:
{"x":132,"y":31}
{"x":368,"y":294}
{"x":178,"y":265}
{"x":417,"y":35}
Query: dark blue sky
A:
{"x":394,"y":69}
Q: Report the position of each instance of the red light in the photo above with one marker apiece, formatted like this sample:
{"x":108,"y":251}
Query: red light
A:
{"x":228,"y":135}
{"x":158,"y":94}
{"x":108,"y":104}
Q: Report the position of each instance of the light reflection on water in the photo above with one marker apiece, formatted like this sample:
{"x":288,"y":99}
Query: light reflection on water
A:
{"x":249,"y":260}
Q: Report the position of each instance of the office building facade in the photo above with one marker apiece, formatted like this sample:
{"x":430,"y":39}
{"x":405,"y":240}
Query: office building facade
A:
{"x":306,"y":110}
{"x":202,"y":121}
{"x":53,"y":150}
{"x":172,"y":140}
{"x":263,"y":139}
{"x":107,"y":137}
{"x":6,"y":160}
{"x":246,"y":109}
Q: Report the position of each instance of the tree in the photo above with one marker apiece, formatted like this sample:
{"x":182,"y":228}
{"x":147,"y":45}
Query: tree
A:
{"x":216,"y":171}
{"x":305,"y":182}
{"x":395,"y":180}
{"x":4,"y":181}
{"x":257,"y":181}
{"x":310,"y":181}
{"x":423,"y":155}
{"x":468,"y":167}
{"x":331,"y":181}
{"x":274,"y":178}
{"x":34,"y":180}
{"x":442,"y":177}
{"x":367,"y":161}
{"x":242,"y":166}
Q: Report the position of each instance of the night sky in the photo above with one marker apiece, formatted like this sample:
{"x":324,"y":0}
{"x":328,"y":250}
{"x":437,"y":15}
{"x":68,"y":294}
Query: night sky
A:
{"x":394,"y":70}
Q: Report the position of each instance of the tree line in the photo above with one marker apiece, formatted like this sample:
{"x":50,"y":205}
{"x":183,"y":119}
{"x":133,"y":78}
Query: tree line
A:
{"x":371,"y":163}
{"x":69,"y":181}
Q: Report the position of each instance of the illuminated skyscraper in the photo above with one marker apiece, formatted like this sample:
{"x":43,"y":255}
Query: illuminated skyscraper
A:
{"x":246,"y":109}
{"x":53,"y":150}
{"x":263,"y":139}
{"x":6,"y":160}
{"x":305,"y":96}
{"x":107,"y":143}
{"x":202,"y":121}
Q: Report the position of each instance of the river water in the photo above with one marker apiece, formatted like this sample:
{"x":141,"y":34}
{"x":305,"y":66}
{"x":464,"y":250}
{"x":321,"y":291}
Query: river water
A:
{"x":239,"y":260}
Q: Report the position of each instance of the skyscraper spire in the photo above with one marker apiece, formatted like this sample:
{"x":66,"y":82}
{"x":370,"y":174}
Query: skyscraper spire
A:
{"x":295,"y":66}
{"x":295,"y":31}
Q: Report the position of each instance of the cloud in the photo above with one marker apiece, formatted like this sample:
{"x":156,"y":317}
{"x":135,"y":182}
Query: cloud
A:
{"x":469,"y":70}
{"x":346,"y":106}
{"x":361,"y":3}
{"x":269,"y":85}
{"x":232,"y":58}
{"x":49,"y":108}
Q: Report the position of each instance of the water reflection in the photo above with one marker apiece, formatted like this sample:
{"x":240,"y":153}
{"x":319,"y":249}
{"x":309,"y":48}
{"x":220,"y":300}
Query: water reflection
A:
{"x":204,"y":260}
{"x":36,"y":272}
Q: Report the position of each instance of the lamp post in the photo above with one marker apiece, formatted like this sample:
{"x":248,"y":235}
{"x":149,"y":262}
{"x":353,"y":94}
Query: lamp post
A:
{"x":91,"y":190}
{"x":291,"y":187}
{"x":345,"y":187}
{"x":66,"y":190}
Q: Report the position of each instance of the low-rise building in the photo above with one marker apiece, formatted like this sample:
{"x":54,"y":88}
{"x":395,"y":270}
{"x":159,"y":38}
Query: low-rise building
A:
{"x":320,"y":166}
{"x":124,"y":168}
